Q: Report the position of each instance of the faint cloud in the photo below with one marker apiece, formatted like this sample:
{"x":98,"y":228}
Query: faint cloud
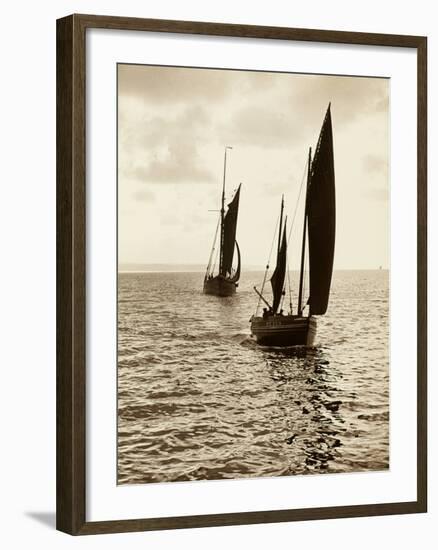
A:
{"x":149,"y":131}
{"x":172,"y":84}
{"x":290,"y":108}
{"x":163,"y":149}
{"x":350,"y":96}
{"x":181,"y":164}
{"x":263,"y":126}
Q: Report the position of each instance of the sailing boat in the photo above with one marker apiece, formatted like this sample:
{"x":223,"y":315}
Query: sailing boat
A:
{"x":274,"y":328}
{"x":226,"y":281}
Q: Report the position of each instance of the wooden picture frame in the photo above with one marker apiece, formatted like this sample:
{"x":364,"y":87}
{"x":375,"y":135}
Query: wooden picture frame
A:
{"x":71,"y":273}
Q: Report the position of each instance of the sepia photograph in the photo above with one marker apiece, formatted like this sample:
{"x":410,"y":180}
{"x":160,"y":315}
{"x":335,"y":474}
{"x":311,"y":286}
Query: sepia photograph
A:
{"x":253,"y":274}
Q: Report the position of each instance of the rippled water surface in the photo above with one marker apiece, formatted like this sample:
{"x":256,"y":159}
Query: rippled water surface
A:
{"x":198,"y":399}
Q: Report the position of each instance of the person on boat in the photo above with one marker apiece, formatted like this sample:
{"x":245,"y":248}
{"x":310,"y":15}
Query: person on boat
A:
{"x":267,"y":312}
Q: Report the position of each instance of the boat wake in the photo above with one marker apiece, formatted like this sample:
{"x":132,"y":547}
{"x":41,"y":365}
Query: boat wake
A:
{"x":244,"y":340}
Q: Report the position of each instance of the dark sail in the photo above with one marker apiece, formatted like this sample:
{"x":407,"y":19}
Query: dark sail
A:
{"x":229,"y":234}
{"x":321,"y":219}
{"x":277,"y":279}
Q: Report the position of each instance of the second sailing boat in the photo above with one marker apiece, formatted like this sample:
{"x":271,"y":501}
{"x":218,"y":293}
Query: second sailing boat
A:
{"x":226,"y":281}
{"x":274,"y":328}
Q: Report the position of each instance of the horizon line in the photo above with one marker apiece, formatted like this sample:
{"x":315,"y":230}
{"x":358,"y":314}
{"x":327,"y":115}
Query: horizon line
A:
{"x":253,"y":269}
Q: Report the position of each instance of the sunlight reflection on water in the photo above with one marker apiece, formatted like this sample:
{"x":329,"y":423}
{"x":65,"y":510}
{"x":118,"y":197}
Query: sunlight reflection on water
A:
{"x":198,"y":399}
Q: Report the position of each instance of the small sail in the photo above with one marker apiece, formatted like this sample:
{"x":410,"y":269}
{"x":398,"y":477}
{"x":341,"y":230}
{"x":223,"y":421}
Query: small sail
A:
{"x":277,"y":279}
{"x":236,"y":275}
{"x":321,"y":211}
{"x":229,"y":237}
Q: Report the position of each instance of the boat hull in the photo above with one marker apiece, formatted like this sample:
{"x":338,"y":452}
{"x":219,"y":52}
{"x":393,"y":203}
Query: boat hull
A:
{"x":284,"y":330}
{"x":219,"y":286}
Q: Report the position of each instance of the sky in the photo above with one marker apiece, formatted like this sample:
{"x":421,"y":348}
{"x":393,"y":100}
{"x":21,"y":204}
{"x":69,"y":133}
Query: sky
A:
{"x":174,"y":124}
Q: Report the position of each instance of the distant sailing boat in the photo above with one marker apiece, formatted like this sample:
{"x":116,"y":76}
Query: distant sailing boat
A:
{"x":274,"y":328}
{"x":226,"y":281}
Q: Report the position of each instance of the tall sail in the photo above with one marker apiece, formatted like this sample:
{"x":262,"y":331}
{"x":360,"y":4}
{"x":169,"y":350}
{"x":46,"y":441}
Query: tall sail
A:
{"x":229,"y":234}
{"x":277,"y":279}
{"x":321,"y":212}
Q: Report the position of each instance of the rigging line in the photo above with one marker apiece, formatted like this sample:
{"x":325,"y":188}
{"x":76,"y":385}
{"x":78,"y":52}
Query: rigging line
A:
{"x":288,"y":283}
{"x":215,"y":260}
{"x":290,"y":231}
{"x":298,"y":200}
{"x":281,"y":301}
{"x":267,"y":267}
{"x":213,"y":247}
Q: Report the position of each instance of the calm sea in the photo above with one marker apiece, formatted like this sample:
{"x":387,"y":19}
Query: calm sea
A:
{"x":198,"y":399}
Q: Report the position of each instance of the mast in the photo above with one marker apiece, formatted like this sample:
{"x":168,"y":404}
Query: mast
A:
{"x":303,"y":247}
{"x":280,"y":226}
{"x":223,"y":209}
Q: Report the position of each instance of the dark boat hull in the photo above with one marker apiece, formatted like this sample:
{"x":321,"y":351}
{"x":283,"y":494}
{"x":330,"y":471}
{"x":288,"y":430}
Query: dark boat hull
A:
{"x":284,"y":330}
{"x":219,"y":286}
